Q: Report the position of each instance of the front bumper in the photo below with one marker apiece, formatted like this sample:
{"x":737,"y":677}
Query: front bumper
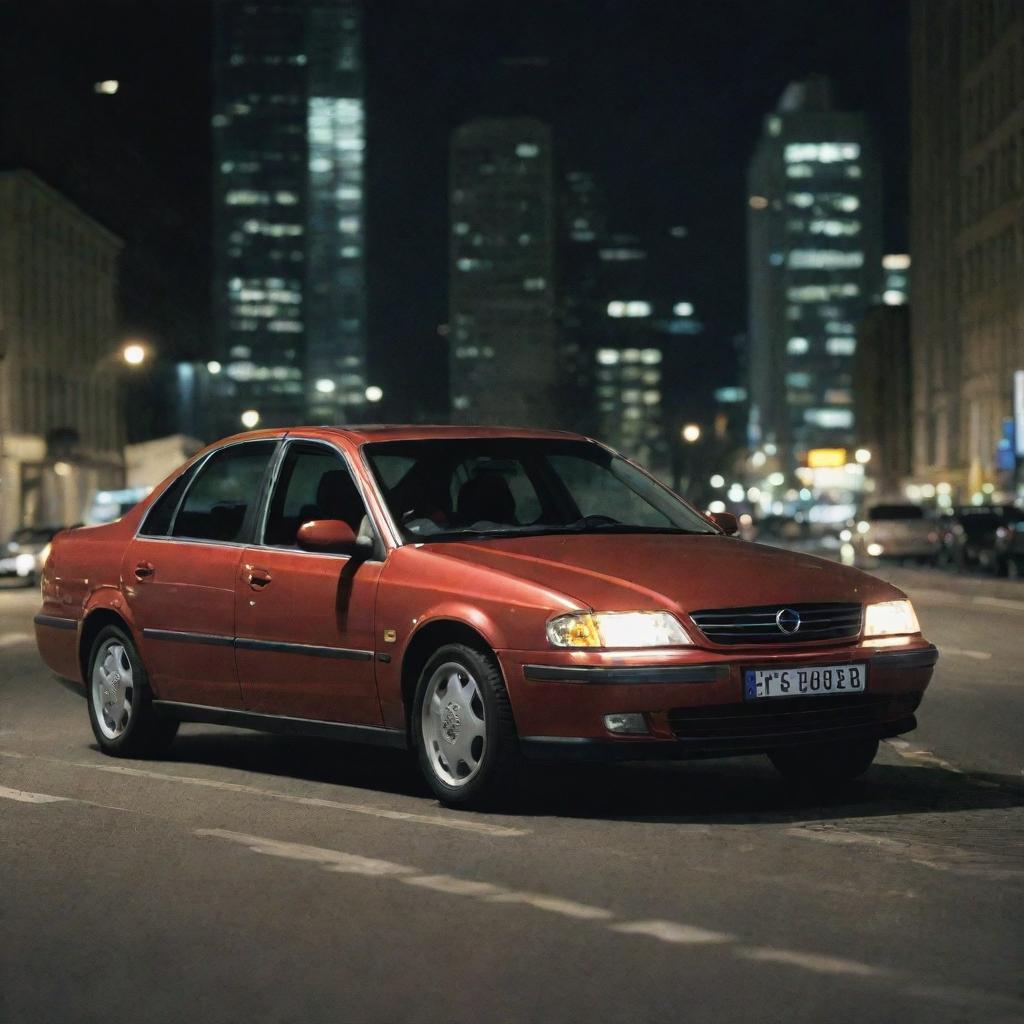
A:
{"x":695,"y":707}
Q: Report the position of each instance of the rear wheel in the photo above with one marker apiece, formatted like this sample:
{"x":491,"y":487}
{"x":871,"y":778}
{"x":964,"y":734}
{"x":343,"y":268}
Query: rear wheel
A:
{"x":120,"y":701}
{"x":462,"y":727}
{"x":821,"y":766}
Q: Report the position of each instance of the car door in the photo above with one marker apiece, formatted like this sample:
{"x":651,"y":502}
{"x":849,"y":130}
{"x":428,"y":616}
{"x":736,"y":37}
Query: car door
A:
{"x":179,"y":574}
{"x":304,"y":619}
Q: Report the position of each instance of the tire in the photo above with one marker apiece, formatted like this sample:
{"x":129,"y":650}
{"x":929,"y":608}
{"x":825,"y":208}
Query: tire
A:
{"x":463,"y":729}
{"x":120,"y":700}
{"x":825,"y":765}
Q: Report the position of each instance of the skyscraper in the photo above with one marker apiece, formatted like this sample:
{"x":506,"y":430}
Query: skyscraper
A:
{"x":814,"y":250}
{"x":289,"y":141}
{"x":967,"y":240}
{"x":504,"y":339}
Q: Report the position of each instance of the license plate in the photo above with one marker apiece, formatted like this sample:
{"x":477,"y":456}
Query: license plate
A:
{"x":809,"y":681}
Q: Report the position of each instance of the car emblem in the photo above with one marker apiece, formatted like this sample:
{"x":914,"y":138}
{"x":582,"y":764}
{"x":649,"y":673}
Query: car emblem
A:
{"x":788,"y":620}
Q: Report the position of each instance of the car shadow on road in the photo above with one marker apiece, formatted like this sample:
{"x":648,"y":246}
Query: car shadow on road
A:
{"x":738,"y":791}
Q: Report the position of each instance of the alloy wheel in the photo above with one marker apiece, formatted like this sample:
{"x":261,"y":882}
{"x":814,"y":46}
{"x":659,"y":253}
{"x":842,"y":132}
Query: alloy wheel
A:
{"x":113,"y":689}
{"x":453,"y":724}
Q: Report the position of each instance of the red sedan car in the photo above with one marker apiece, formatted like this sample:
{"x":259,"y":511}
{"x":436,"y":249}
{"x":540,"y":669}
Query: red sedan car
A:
{"x":479,"y":595}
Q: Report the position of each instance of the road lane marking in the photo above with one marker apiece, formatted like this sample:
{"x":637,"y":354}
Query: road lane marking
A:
{"x":671,"y":931}
{"x":554,"y":905}
{"x":999,"y":602}
{"x":959,"y":652}
{"x":917,"y":755}
{"x":812,"y":961}
{"x":459,"y":824}
{"x":24,"y":797}
{"x":13,"y":639}
{"x":453,"y":886}
{"x":333,"y":860}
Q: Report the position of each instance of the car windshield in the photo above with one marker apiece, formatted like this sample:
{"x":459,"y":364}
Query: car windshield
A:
{"x":485,"y":487}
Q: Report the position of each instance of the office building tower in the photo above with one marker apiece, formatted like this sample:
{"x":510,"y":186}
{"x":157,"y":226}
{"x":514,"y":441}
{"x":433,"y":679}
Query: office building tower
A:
{"x":967,"y":240}
{"x":503,"y":316}
{"x":289,"y":150}
{"x":61,"y":423}
{"x":814,"y":254}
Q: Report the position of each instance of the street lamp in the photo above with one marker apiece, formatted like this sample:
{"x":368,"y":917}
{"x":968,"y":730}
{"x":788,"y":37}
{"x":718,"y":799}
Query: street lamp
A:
{"x":374,"y":393}
{"x":134,"y":353}
{"x":250,"y":418}
{"x":690,"y":433}
{"x":862,"y":455}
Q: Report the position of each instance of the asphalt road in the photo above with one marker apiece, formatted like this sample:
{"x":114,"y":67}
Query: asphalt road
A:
{"x":249,"y":877}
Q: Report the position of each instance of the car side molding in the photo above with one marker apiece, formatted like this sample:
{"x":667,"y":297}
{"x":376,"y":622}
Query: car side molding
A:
{"x":251,"y":644}
{"x":282,"y":724}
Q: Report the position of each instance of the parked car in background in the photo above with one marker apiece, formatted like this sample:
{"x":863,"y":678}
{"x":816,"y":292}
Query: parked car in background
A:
{"x":896,"y":531}
{"x":478,"y":596}
{"x":24,"y":554}
{"x":1009,"y":547}
{"x":970,"y":536}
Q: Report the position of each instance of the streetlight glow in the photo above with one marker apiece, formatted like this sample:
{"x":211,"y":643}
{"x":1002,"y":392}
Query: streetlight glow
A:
{"x":134,"y":354}
{"x":213,"y":366}
{"x":862,"y":455}
{"x":691,"y":433}
{"x":718,"y":480}
{"x":250,"y":418}
{"x":374,"y":393}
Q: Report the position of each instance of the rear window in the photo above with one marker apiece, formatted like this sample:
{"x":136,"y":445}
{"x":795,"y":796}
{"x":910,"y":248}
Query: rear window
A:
{"x":882,"y":512}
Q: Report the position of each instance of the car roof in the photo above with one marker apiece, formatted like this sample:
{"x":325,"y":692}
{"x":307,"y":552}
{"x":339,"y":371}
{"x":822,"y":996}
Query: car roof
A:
{"x":366,"y":434}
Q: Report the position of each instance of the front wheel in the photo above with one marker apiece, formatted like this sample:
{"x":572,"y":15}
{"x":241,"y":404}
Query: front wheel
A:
{"x":824,"y":765}
{"x":462,"y":726}
{"x":120,"y":702}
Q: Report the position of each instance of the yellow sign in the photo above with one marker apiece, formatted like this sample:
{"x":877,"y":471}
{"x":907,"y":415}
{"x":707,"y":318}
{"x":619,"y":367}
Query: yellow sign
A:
{"x":826,"y":458}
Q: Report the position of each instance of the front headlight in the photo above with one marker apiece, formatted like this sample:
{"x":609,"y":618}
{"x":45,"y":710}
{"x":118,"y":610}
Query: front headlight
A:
{"x":890,"y":618}
{"x":616,"y":629}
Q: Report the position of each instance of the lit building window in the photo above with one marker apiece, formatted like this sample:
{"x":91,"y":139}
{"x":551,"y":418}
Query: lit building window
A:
{"x":683,"y":309}
{"x":650,"y":356}
{"x":797,"y":346}
{"x":527,"y":150}
{"x":633,"y":308}
{"x":841,"y":346}
{"x":830,"y":419}
{"x":801,"y":199}
{"x":607,"y":356}
{"x":821,"y":152}
{"x":824,"y":259}
{"x":892,"y":297}
{"x":798,"y":380}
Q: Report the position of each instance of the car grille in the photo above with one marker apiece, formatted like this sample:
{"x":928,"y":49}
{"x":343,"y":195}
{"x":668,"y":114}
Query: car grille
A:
{"x":788,"y":717}
{"x":759,"y":625}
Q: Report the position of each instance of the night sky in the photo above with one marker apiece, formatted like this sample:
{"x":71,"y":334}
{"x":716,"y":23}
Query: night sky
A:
{"x":662,"y":100}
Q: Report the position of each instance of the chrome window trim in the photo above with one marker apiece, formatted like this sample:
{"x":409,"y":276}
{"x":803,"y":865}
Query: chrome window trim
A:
{"x":287,"y":440}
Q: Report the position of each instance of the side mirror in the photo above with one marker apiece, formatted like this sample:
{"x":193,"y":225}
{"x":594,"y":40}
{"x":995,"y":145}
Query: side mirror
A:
{"x":334,"y":535}
{"x":725,"y":521}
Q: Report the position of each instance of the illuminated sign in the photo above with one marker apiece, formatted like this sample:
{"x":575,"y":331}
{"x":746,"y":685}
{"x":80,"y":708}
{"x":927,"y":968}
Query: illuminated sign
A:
{"x":826,"y":458}
{"x":1018,"y":410}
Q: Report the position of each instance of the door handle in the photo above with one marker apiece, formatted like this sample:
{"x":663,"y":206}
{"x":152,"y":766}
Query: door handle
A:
{"x":144,"y":570}
{"x":257,"y":578}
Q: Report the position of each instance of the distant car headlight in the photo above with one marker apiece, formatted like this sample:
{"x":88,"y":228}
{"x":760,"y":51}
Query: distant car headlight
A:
{"x":24,"y":563}
{"x":616,"y":629}
{"x":890,"y":618}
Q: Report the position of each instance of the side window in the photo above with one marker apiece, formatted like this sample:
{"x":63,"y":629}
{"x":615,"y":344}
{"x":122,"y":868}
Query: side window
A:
{"x":313,"y":483}
{"x":227,"y":486}
{"x":158,"y":519}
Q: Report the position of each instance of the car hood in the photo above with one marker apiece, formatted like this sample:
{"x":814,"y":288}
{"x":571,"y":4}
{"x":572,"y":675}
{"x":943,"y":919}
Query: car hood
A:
{"x":679,"y":573}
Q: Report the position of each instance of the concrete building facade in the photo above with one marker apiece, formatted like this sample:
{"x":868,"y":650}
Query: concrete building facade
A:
{"x":61,"y":423}
{"x":967,"y":236}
